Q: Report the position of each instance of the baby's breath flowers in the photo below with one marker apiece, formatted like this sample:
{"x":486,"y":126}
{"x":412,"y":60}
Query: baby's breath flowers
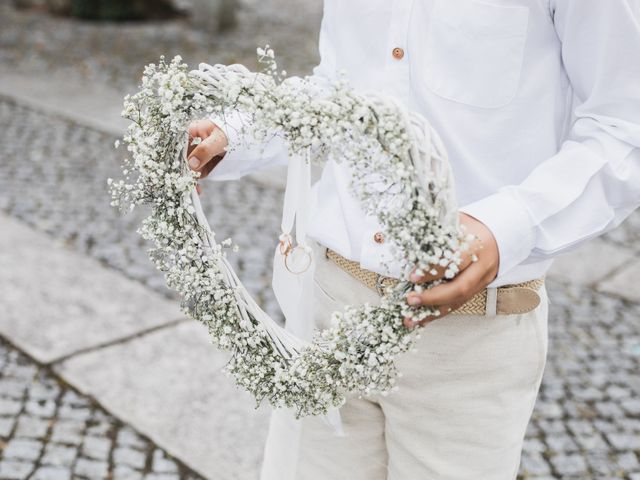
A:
{"x":400,"y":175}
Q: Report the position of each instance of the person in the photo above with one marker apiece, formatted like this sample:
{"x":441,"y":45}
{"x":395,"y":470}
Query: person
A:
{"x":538,"y":104}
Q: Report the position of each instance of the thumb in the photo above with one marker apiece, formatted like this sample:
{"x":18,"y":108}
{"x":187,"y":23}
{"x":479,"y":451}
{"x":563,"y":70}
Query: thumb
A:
{"x":212,"y":146}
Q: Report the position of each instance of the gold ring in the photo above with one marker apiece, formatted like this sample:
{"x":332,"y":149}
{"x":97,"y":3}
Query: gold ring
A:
{"x":308,"y":264}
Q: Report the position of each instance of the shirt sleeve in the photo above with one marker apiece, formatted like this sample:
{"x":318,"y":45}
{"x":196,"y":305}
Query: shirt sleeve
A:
{"x":247,"y":157}
{"x":593,"y":183}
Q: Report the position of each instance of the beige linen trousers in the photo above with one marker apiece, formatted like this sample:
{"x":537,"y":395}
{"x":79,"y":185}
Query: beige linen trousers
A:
{"x":462,"y":407}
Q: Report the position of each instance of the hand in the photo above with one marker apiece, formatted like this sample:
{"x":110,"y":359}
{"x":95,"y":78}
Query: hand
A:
{"x":473,"y":277}
{"x":208,"y":153}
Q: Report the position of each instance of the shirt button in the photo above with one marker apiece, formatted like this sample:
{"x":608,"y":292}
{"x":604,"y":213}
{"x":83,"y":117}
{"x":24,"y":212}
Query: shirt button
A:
{"x":398,"y":53}
{"x":378,"y":237}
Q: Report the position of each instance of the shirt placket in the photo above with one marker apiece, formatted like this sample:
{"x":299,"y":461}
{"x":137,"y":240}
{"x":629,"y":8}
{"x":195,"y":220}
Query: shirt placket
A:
{"x":398,"y":54}
{"x":396,"y":71}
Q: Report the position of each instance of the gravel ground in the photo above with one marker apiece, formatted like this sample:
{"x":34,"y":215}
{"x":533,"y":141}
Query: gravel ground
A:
{"x":50,"y":432}
{"x":587,"y":419}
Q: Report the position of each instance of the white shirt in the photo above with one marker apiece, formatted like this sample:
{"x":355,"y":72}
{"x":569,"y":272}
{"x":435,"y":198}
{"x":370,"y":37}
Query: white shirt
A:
{"x":537,"y":101}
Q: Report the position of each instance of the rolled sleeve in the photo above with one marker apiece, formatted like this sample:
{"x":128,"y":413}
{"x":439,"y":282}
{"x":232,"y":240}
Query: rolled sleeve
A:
{"x":234,"y":164}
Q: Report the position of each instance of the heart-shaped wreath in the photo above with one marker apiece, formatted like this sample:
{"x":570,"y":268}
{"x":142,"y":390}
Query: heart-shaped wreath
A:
{"x":400,"y":174}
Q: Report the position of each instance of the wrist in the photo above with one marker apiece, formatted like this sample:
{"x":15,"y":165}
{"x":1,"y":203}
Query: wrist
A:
{"x":485,"y":246}
{"x":509,"y":223}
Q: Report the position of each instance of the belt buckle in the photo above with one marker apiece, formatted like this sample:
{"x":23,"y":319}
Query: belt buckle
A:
{"x":381,"y":288}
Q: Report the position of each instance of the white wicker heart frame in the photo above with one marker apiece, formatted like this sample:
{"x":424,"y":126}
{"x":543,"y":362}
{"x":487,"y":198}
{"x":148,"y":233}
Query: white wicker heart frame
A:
{"x":400,"y":174}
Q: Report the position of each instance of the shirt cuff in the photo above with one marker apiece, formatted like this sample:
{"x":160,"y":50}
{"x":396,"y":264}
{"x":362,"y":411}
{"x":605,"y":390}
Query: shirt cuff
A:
{"x":510,"y":225}
{"x":232,"y":124}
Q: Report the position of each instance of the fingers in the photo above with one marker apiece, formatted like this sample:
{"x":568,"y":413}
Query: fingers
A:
{"x":195,"y":129}
{"x":410,"y":322}
{"x":437,"y":272}
{"x":475,"y":273}
{"x":211,"y":147}
{"x":448,"y":297}
{"x":210,"y":165}
{"x":422,"y":276}
{"x":444,"y":311}
{"x":460,"y":289}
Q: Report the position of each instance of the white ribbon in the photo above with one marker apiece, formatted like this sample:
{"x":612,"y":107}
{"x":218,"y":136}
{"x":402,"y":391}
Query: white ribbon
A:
{"x":295,"y":291}
{"x":293,"y":265}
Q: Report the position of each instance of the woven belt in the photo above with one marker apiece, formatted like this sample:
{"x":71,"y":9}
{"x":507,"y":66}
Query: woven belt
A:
{"x":511,"y":299}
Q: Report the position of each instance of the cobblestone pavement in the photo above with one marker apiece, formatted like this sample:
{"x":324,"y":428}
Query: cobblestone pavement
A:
{"x":50,"y":432}
{"x":58,"y":184}
{"x":587,"y":420}
{"x":586,"y":423}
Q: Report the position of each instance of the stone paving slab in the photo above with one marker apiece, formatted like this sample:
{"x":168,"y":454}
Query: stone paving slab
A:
{"x":626,"y":282}
{"x":64,"y":92}
{"x":591,"y":263}
{"x":169,"y":386}
{"x":56,"y":302}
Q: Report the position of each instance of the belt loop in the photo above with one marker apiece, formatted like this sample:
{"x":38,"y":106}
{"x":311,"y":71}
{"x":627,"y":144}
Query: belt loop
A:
{"x":492,"y":302}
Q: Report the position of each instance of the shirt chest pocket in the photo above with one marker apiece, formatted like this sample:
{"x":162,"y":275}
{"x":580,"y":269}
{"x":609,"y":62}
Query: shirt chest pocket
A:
{"x":474,"y":52}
